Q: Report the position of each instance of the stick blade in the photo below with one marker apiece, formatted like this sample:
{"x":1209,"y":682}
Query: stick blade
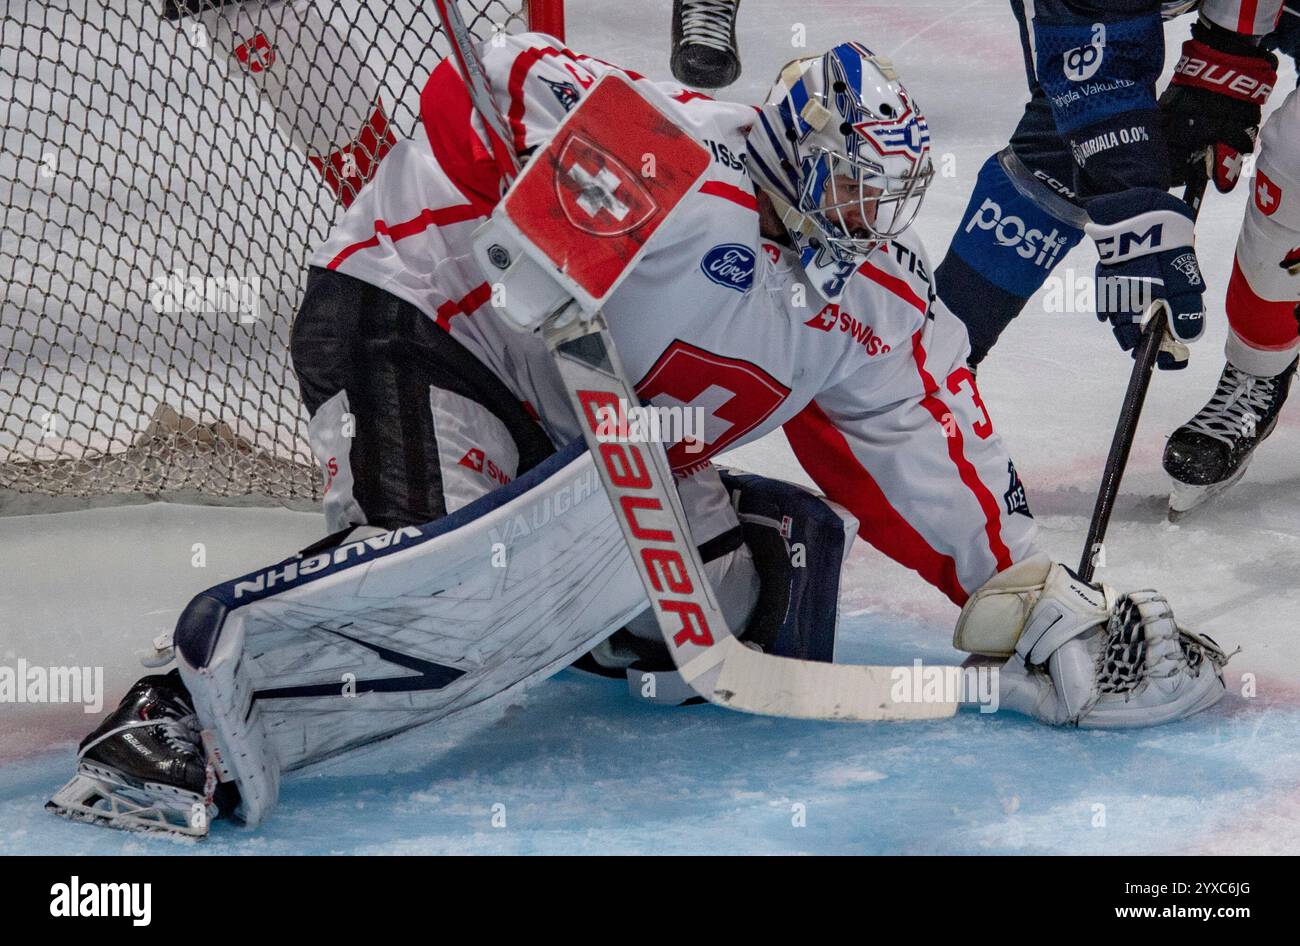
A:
{"x":759,"y":683}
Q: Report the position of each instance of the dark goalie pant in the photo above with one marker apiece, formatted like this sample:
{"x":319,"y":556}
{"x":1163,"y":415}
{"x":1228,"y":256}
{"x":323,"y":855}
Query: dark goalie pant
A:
{"x":407,"y":424}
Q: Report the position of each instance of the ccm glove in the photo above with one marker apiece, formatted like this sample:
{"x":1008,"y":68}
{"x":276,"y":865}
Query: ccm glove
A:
{"x":1144,"y":241}
{"x":1213,"y":102}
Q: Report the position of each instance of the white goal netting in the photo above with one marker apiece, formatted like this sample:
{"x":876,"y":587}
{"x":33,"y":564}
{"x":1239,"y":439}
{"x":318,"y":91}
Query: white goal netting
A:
{"x":163,"y":179}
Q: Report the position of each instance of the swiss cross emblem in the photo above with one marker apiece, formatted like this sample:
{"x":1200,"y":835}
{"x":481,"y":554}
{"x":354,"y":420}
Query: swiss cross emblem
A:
{"x":580,"y":207}
{"x":473,"y":459}
{"x":256,"y":54}
{"x":825,"y":319}
{"x":597,"y":193}
{"x":1267,"y":194}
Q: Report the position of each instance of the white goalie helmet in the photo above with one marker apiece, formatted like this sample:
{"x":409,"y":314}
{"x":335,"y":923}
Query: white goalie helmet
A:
{"x":842,"y":150}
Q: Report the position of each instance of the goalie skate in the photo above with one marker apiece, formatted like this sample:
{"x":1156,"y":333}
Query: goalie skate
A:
{"x":143,"y":768}
{"x":107,"y":797}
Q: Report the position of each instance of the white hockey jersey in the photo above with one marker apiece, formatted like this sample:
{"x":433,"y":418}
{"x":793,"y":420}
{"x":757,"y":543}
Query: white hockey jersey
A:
{"x":863,"y":366}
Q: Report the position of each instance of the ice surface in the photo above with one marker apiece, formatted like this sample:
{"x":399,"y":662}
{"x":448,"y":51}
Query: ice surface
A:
{"x":580,"y":768}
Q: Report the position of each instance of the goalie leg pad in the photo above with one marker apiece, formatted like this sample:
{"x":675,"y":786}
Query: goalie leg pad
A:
{"x":798,"y":542}
{"x":334,"y":650}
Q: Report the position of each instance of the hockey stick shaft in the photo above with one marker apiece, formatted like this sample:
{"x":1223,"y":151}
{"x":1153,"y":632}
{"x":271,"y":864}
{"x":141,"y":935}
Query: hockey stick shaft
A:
{"x":1131,"y":411}
{"x":480,"y":91}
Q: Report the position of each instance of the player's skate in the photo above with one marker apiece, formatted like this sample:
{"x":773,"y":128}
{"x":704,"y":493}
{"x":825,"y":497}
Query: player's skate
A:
{"x":143,"y":767}
{"x":704,"y":43}
{"x":1210,"y":452}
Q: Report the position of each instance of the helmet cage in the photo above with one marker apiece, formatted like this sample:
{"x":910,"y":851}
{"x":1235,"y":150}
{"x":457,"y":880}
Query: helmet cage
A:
{"x":848,"y":157}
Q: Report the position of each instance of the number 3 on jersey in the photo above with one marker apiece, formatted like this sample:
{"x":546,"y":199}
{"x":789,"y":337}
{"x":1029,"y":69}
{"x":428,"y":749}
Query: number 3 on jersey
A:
{"x":730,"y":396}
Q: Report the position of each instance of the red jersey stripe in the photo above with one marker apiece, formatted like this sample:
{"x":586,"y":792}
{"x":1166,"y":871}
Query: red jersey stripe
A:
{"x":957,"y":453}
{"x":826,"y":455}
{"x":418,"y":224}
{"x":737,"y":195}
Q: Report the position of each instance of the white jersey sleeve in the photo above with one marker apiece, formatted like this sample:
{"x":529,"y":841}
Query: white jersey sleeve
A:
{"x":906,"y":443}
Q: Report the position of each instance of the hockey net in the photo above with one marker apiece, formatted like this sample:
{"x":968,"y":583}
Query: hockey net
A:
{"x":166,"y":168}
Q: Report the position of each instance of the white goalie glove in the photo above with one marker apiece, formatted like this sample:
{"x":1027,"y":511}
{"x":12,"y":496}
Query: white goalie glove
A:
{"x":1081,"y":655}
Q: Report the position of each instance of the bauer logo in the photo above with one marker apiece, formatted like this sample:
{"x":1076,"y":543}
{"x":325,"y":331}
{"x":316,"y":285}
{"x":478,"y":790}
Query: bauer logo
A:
{"x":1029,"y":243}
{"x":1082,"y":62}
{"x":730,"y":265}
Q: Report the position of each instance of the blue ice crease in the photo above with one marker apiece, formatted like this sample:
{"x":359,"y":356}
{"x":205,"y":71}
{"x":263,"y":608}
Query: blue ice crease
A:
{"x":579,"y":767}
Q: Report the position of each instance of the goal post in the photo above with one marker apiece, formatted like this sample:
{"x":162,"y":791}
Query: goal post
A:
{"x":166,"y":169}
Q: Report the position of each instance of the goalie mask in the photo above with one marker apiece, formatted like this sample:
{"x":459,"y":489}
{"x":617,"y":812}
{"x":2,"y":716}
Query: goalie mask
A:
{"x":842,"y":151}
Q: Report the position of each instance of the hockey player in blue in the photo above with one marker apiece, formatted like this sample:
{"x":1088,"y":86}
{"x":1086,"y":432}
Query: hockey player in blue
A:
{"x":1095,"y":153}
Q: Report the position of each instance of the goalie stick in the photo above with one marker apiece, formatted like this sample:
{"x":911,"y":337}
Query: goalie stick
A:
{"x":638,"y":480}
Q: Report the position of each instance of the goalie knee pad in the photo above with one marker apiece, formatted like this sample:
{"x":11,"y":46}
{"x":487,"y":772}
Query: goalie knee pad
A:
{"x":795,"y":542}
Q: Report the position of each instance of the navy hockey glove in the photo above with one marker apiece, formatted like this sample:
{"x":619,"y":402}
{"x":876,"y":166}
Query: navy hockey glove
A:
{"x":1144,"y":241}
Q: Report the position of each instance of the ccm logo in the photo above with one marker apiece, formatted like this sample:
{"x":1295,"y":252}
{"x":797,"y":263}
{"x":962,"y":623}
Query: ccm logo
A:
{"x":649,"y":524}
{"x":1130,"y":243}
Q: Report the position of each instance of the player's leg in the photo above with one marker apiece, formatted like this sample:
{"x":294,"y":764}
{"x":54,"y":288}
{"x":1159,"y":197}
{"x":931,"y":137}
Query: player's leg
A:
{"x":704,"y":52}
{"x":407,"y":424}
{"x":1210,"y":452}
{"x":1019,"y":223}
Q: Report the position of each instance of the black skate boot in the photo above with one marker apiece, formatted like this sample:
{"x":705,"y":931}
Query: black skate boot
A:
{"x":143,"y":767}
{"x":1210,"y":452}
{"x":704,"y":43}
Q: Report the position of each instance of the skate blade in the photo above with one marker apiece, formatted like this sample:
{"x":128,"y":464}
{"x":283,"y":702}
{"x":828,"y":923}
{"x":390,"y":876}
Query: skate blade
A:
{"x":97,"y":796}
{"x":1186,"y":497}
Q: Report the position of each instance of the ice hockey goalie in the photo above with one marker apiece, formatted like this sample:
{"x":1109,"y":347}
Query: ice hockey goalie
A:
{"x":471,"y":549}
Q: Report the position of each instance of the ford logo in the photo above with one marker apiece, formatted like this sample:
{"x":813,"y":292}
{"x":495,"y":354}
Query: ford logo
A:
{"x":730,"y":265}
